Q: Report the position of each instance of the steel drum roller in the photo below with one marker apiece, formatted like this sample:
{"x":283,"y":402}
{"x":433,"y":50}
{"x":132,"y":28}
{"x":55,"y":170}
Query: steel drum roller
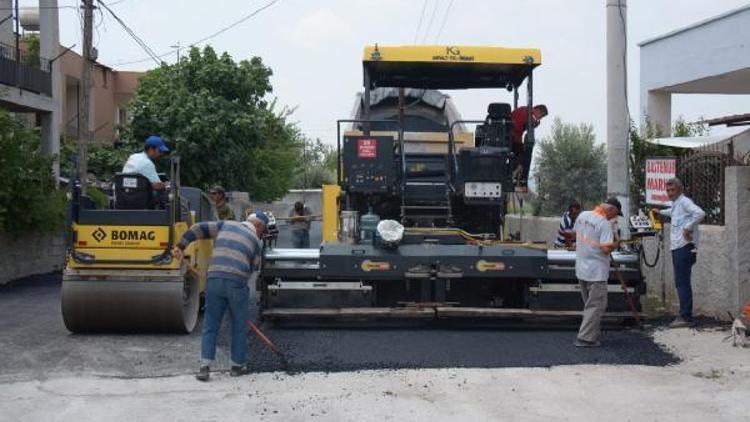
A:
{"x":163,"y":304}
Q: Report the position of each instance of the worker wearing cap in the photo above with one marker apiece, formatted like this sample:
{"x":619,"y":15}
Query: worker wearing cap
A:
{"x":595,"y":240}
{"x":219,"y":198}
{"x":143,"y":162}
{"x":235,"y":263}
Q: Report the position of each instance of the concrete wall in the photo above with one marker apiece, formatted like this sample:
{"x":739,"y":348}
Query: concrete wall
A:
{"x":711,"y":274}
{"x":30,"y":254}
{"x":534,"y":229}
{"x":311,"y":197}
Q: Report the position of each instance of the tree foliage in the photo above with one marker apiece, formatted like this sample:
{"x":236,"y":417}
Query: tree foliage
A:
{"x":214,"y":114}
{"x":569,"y":166}
{"x":29,"y":199}
{"x":317,"y":165}
{"x":103,"y":160}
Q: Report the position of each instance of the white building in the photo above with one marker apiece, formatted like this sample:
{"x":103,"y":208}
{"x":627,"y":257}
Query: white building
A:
{"x":33,"y":88}
{"x":709,"y":57}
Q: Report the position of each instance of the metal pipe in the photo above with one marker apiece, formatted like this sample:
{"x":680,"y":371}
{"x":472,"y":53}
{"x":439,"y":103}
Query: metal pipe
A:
{"x":366,"y":108}
{"x":554,"y":256}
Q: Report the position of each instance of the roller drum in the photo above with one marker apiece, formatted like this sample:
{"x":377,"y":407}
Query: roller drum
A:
{"x":159,"y":306}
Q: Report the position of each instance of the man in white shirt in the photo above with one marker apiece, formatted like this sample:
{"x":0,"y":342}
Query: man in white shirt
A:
{"x":683,"y":233}
{"x":143,"y":162}
{"x":595,"y":240}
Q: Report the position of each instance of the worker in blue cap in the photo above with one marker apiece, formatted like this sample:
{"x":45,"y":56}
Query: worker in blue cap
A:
{"x":143,"y":162}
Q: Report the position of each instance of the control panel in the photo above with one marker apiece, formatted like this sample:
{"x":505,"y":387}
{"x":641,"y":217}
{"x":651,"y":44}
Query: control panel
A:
{"x":369,"y":164}
{"x":483,"y":190}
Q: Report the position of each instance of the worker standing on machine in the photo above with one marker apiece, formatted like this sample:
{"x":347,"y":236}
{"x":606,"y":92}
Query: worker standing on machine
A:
{"x":143,"y":162}
{"x":219,"y":198}
{"x":566,"y":237}
{"x":299,"y":220}
{"x":683,"y":234}
{"x":595,"y":241}
{"x":235,"y":263}
{"x":519,"y":117}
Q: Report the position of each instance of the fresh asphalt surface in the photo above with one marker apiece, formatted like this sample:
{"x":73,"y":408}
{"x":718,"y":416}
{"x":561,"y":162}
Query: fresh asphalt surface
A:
{"x":36,"y":344}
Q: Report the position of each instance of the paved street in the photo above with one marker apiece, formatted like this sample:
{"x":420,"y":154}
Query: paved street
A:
{"x":37,"y":345}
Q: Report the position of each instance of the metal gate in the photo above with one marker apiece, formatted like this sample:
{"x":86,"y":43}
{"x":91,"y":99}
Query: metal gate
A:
{"x":702,"y":173}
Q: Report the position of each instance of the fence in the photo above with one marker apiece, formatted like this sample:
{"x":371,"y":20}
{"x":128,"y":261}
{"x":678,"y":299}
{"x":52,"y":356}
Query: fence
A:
{"x":702,"y":173}
{"x":24,"y":70}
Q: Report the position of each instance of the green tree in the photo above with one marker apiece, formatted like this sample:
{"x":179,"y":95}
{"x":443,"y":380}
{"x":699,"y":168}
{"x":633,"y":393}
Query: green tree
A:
{"x":29,"y":198}
{"x":570,"y":165}
{"x":317,"y":165}
{"x":214,"y":113}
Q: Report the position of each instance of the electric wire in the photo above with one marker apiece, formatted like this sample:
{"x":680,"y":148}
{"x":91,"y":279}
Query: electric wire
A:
{"x":445,"y":19}
{"x":215,"y":34}
{"x":419,"y":25}
{"x":429,"y":23}
{"x":132,"y":34}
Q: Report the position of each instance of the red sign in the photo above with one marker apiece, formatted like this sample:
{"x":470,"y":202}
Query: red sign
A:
{"x":367,"y":148}
{"x":658,"y":171}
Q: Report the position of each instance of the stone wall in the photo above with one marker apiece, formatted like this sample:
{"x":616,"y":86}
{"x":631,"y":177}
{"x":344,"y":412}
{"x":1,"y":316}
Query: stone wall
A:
{"x":30,"y":254}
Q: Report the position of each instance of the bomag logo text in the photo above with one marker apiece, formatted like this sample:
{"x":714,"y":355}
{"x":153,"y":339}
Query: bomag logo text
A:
{"x":132,"y":235}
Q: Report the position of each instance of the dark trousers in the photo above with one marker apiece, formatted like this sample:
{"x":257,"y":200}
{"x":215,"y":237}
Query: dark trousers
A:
{"x":682,"y":261}
{"x":301,"y":238}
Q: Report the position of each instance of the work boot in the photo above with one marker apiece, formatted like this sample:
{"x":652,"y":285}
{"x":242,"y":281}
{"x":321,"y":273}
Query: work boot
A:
{"x":203,"y":373}
{"x":586,"y":343}
{"x":680,"y":323}
{"x":239,"y":370}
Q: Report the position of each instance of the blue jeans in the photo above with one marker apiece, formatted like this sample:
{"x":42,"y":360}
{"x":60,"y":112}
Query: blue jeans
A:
{"x":301,"y":238}
{"x":682,"y":261}
{"x":222,"y":293}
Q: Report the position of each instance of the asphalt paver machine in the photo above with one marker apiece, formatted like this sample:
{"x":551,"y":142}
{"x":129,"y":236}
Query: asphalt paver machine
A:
{"x":406,"y":156}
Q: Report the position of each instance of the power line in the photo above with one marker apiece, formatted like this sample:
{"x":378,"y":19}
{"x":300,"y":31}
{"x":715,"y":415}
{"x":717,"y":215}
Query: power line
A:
{"x":445,"y":19}
{"x":429,"y":24}
{"x":132,"y":34}
{"x":421,"y":18}
{"x":215,"y":34}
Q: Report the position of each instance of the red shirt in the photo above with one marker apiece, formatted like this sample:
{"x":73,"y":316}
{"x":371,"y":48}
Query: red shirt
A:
{"x":519,"y":117}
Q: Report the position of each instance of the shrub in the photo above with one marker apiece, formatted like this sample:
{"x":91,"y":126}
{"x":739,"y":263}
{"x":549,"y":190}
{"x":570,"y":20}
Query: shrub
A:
{"x":29,"y":198}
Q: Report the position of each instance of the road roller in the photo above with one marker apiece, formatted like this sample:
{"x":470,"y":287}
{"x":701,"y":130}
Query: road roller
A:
{"x":120,"y":275}
{"x":415,"y":227}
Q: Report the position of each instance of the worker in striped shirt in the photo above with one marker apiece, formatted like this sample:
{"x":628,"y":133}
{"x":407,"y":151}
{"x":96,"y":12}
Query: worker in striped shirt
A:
{"x":566,"y":236}
{"x":235,"y":263}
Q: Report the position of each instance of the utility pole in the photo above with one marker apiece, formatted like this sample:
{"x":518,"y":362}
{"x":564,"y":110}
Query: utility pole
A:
{"x":177,"y":51}
{"x":84,"y":133}
{"x":618,"y":120}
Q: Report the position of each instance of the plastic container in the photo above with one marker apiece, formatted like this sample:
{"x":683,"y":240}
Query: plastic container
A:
{"x":368,"y":225}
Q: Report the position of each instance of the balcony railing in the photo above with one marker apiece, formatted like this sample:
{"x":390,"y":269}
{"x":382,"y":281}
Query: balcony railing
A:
{"x":27,"y":71}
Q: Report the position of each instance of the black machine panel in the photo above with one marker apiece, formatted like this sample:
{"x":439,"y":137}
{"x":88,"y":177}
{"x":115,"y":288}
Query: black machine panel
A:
{"x":369,"y":164}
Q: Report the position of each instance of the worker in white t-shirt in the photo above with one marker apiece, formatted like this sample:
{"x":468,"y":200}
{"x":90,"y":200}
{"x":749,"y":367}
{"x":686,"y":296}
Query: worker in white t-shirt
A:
{"x":143,"y":162}
{"x":595,"y":240}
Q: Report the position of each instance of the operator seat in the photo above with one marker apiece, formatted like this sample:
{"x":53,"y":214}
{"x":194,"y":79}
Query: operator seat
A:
{"x":497,"y":126}
{"x":133,"y":191}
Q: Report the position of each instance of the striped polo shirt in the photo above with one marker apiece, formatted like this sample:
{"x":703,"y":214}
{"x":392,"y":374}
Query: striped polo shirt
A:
{"x":237,"y":249}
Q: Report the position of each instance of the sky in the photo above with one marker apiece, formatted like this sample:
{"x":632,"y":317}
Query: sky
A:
{"x":314,"y":47}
